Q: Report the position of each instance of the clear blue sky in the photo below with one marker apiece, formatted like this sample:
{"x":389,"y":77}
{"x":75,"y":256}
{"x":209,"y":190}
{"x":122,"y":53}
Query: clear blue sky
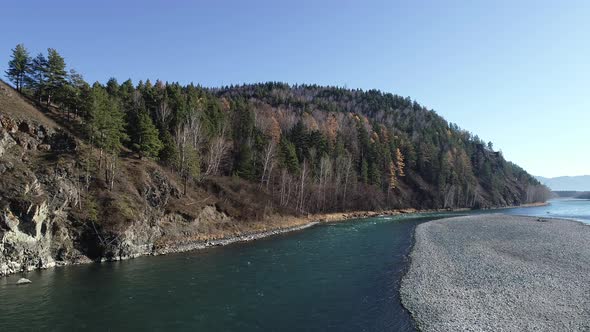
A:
{"x":514,"y":72}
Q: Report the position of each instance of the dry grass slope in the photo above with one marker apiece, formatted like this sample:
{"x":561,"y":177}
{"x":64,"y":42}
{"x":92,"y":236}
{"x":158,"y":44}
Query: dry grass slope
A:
{"x":14,"y":105}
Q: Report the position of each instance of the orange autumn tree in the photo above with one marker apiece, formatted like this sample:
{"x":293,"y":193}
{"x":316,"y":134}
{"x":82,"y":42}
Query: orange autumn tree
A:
{"x":399,"y":163}
{"x":392,"y":176}
{"x":396,"y":169}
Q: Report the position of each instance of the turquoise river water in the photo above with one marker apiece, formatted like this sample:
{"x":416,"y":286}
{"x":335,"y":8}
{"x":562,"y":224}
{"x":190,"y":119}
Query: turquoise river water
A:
{"x":334,"y":277}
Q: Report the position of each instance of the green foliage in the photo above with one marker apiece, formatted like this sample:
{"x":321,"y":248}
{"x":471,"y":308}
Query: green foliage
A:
{"x":112,"y":87}
{"x":36,"y":79}
{"x":364,"y":174}
{"x":188,"y":164}
{"x":193,"y":161}
{"x":106,"y":123}
{"x":169,"y":151}
{"x":56,"y":73}
{"x":76,"y":96}
{"x":245,"y":166}
{"x":18,"y":66}
{"x":300,"y":139}
{"x":91,"y":209}
{"x":147,"y":141}
{"x":256,"y":131}
{"x":374,"y":174}
{"x":288,"y":156}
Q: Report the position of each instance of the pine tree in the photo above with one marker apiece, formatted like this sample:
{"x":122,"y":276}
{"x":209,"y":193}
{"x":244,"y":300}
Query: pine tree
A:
{"x":364,"y":171}
{"x":148,"y":142}
{"x":245,"y":167}
{"x":374,"y":174}
{"x":188,"y":164}
{"x":36,"y":79}
{"x":192,"y":169}
{"x":112,"y":87}
{"x":56,"y":73}
{"x":288,"y":156}
{"x":169,"y":151}
{"x":106,"y":126}
{"x":18,"y":66}
{"x":75,"y":94}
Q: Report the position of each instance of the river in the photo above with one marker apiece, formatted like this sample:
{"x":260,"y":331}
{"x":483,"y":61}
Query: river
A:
{"x":334,"y":277}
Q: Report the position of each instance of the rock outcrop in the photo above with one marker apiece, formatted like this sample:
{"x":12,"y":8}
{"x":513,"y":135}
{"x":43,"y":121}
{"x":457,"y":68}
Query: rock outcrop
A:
{"x":49,"y":217}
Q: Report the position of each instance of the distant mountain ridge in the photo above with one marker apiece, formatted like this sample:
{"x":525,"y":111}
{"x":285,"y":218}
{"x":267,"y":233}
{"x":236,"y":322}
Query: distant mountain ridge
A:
{"x":567,"y":183}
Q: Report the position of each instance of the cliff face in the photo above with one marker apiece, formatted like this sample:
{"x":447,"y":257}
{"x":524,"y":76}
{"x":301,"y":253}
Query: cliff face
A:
{"x":49,"y":217}
{"x":33,"y":228}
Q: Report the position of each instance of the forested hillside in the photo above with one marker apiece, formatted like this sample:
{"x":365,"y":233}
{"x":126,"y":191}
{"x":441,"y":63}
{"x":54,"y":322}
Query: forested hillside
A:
{"x":113,"y":171}
{"x":311,"y":148}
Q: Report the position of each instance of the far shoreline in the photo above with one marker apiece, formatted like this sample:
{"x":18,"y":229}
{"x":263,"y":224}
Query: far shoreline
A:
{"x":308,"y":221}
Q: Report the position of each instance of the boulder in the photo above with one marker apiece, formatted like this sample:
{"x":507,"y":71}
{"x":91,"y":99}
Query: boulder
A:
{"x":23,"y":281}
{"x":44,"y":147}
{"x":25,"y":140}
{"x":8,"y":124}
{"x":6,"y":141}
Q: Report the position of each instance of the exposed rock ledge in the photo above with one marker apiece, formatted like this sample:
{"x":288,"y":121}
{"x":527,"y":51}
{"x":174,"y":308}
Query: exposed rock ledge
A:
{"x":499,"y":273}
{"x":25,"y":243}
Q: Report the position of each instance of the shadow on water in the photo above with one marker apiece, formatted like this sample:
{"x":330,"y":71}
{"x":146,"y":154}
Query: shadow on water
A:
{"x":335,"y":277}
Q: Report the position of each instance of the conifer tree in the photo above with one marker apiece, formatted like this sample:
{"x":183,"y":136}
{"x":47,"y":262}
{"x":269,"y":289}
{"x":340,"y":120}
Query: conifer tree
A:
{"x":56,"y":73}
{"x":364,"y":171}
{"x":187,"y":159}
{"x":288,"y":156}
{"x":148,"y":141}
{"x":192,"y":169}
{"x":36,"y":79}
{"x":106,"y":126}
{"x":18,"y":66}
{"x":106,"y":121}
{"x":245,"y":168}
{"x":169,"y":151}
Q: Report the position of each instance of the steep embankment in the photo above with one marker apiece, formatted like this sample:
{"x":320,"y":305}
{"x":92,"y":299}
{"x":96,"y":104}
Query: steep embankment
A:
{"x":57,"y":208}
{"x":50,"y":216}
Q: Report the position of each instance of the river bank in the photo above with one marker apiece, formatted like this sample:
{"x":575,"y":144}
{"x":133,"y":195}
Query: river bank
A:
{"x":286,"y":224}
{"x":292,"y":223}
{"x":499,"y":273}
{"x":283,"y":224}
{"x":271,"y":226}
{"x":341,"y":276}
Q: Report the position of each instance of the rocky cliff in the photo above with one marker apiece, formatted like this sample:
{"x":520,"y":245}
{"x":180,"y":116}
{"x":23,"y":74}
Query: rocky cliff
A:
{"x":50,"y":215}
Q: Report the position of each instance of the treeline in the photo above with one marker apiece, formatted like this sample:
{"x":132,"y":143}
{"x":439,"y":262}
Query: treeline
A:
{"x":313,"y":148}
{"x":572,"y":194}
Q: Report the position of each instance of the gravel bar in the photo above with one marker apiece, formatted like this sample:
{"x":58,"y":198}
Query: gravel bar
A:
{"x":499,"y":273}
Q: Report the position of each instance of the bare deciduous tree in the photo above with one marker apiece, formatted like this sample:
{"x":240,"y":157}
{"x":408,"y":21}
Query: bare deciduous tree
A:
{"x":285,"y":188}
{"x":163,"y":112}
{"x":302,"y":186}
{"x":343,"y":173}
{"x":324,"y":178}
{"x":218,"y":147}
{"x":268,"y":162}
